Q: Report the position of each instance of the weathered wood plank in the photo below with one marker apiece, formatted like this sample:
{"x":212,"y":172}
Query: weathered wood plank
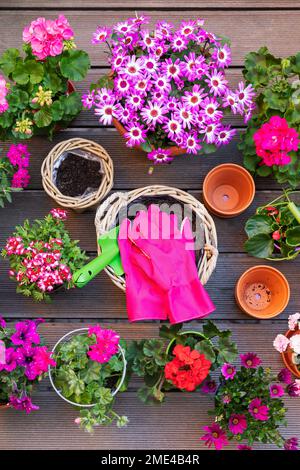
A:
{"x":248,"y":30}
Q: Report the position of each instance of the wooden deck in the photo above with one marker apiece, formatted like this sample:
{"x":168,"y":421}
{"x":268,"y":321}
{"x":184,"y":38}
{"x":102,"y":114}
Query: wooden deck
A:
{"x":249,"y":24}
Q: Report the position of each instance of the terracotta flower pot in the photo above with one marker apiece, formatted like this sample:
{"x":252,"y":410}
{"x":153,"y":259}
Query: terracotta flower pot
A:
{"x":287,"y":355}
{"x":173,"y":149}
{"x":228,"y":190}
{"x":262,"y":292}
{"x":4,"y":406}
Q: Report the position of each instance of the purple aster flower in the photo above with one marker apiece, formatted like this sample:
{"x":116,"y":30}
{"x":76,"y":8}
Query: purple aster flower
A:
{"x":228,"y":371}
{"x":25,"y":333}
{"x":258,"y":411}
{"x":209,"y":386}
{"x":23,"y":403}
{"x":135,"y":135}
{"x":88,"y":100}
{"x":243,"y":447}
{"x":291,"y":444}
{"x":293,"y":389}
{"x":285,"y":376}
{"x":224,"y":135}
{"x":276,"y":391}
{"x":250,"y":360}
{"x":160,"y":155}
{"x":2,"y":322}
{"x":222,"y":56}
{"x":217,"y":83}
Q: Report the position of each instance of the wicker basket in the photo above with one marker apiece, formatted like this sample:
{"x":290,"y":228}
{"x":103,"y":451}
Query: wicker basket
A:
{"x":109,"y":212}
{"x":79,"y":204}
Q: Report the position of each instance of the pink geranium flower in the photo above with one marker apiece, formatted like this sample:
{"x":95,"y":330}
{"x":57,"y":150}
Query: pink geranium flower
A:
{"x":237,"y":423}
{"x":258,"y":411}
{"x":293,"y":321}
{"x":215,"y":436}
{"x":107,"y":344}
{"x":281,"y":343}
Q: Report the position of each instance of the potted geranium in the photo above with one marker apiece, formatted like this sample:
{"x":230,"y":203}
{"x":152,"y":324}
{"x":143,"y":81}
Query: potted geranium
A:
{"x":43,"y":256}
{"x":248,"y":407}
{"x":179,"y":360}
{"x":270,"y":144}
{"x":14,"y":174}
{"x":90,"y":370}
{"x":167,"y":92}
{"x":274,"y":231}
{"x":24,"y":361}
{"x":40,"y":98}
{"x":289,"y":345}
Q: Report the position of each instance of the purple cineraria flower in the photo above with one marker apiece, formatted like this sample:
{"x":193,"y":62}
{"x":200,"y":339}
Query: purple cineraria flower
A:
{"x":186,"y":116}
{"x":139,"y":20}
{"x":22,"y":403}
{"x":230,"y":100}
{"x":209,"y":386}
{"x":161,"y":83}
{"x":122,"y":85}
{"x":88,"y":100}
{"x":172,"y":69}
{"x":135,"y":101}
{"x":210,"y":132}
{"x":164,"y":30}
{"x":147,"y":42}
{"x":159,"y":50}
{"x":178,"y":43}
{"x":150,"y":65}
{"x":123,"y":114}
{"x":142,"y":86}
{"x":225,"y":135}
{"x":154,"y":113}
{"x":158,"y":96}
{"x":103,"y":95}
{"x":285,"y":376}
{"x":210,"y":109}
{"x":172,"y":127}
{"x":129,"y":40}
{"x":100,"y":35}
{"x":160,"y":155}
{"x":117,"y":61}
{"x":135,"y":135}
{"x":228,"y":371}
{"x":194,"y":98}
{"x":276,"y":391}
{"x":217,"y":83}
{"x":123,"y":27}
{"x":173,"y":104}
{"x":293,"y":388}
{"x":187,"y":28}
{"x":291,"y":444}
{"x":244,"y":95}
{"x":250,"y":360}
{"x":106,"y":112}
{"x":133,"y":66}
{"x":25,"y":333}
{"x":192,"y":144}
{"x":222,"y":56}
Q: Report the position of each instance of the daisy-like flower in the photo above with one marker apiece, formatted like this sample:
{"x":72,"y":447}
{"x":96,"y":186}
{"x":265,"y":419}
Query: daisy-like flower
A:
{"x":257,"y":410}
{"x":172,"y":127}
{"x":148,"y":41}
{"x":159,"y":50}
{"x":101,"y":34}
{"x":250,"y":360}
{"x":237,"y":424}
{"x":160,"y":155}
{"x":133,"y":67}
{"x":209,"y":386}
{"x":173,"y":104}
{"x":104,"y":95}
{"x":118,"y":61}
{"x":88,"y":100}
{"x":161,"y":83}
{"x":276,"y":391}
{"x":243,"y":447}
{"x":142,"y":86}
{"x":244,"y":95}
{"x":281,"y":343}
{"x":136,"y":101}
{"x":185,"y":115}
{"x":285,"y":376}
{"x":164,"y":30}
{"x":139,"y":19}
{"x":106,"y":112}
{"x":154,"y":113}
{"x":291,"y":444}
{"x":222,"y":56}
{"x":293,"y":321}
{"x":217,"y":83}
{"x":123,"y":27}
{"x":135,"y":135}
{"x":228,"y":371}
{"x":192,"y":144}
{"x":178,"y":42}
{"x":172,"y":69}
{"x":194,"y":98}
{"x":210,"y":132}
{"x":225,"y":135}
{"x":187,"y":28}
{"x":150,"y":64}
{"x":230,"y":99}
{"x":122,"y":85}
{"x":215,"y":436}
{"x":211,"y":110}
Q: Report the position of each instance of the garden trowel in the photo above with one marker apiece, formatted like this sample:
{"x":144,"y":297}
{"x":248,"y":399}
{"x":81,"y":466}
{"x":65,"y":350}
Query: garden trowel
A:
{"x":110,"y":256}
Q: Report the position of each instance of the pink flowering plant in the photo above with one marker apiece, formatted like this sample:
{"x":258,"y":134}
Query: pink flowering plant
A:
{"x":270,"y":144}
{"x":24,"y":362}
{"x":38,"y":97}
{"x":14,"y":175}
{"x":167,"y":87}
{"x":42,"y":256}
{"x":89,"y":367}
{"x":249,"y":407}
{"x":284,"y":344}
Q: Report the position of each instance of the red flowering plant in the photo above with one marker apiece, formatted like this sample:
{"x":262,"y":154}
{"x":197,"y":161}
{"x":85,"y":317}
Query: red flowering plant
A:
{"x":249,"y":406}
{"x":24,"y":361}
{"x":43,"y":256}
{"x":274,"y":231}
{"x":179,"y":360}
{"x":270,"y":144}
{"x":14,"y":174}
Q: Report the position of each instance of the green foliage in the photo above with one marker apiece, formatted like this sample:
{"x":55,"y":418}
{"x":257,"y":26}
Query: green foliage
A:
{"x":27,"y":75}
{"x":277,"y":85}
{"x":87,"y":382}
{"x":281,"y":216}
{"x":147,"y":358}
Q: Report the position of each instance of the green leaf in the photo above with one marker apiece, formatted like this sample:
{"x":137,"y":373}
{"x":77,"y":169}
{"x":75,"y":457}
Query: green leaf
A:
{"x":56,"y":111}
{"x":71,"y":104}
{"x":207,"y":148}
{"x":227,"y":350}
{"x":146,"y":146}
{"x":206,"y":348}
{"x":275,"y":100}
{"x":293,"y":236}
{"x":17,"y":99}
{"x":260,"y":246}
{"x":75,"y":65}
{"x":52,"y":82}
{"x":43,"y":117}
{"x":29,"y":71}
{"x":20,"y":74}
{"x":258,"y":224}
{"x":8,"y":60}
{"x":264,"y":170}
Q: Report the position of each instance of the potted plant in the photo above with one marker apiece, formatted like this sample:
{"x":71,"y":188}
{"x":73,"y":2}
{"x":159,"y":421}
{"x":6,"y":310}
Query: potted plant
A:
{"x":24,"y":361}
{"x":274,"y":231}
{"x":179,"y":360}
{"x":167,"y":93}
{"x":90,"y":370}
{"x":248,"y":407}
{"x":14,"y":174}
{"x":40,"y":98}
{"x":42,"y":256}
{"x":270,"y":144}
{"x":289,"y":345}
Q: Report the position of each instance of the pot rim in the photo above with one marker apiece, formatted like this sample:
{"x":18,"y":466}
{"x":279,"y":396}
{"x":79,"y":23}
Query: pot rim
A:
{"x":290,"y":366}
{"x":82,"y":331}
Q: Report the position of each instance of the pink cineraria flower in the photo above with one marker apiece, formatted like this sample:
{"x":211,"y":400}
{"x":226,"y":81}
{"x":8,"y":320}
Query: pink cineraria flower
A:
{"x":194,"y":98}
{"x":135,"y":135}
{"x":291,"y":444}
{"x":244,"y":447}
{"x":172,"y":127}
{"x":217,"y":83}
{"x":107,"y":344}
{"x":106,"y":111}
{"x":147,"y":40}
{"x":2,"y":352}
{"x":164,"y":30}
{"x":26,"y":333}
{"x":211,"y":109}
{"x":60,"y":214}
{"x":150,"y":65}
{"x":187,"y":28}
{"x":178,"y":42}
{"x":285,"y":376}
{"x":122,"y":85}
{"x":237,"y":424}
{"x":250,"y":360}
{"x":172,"y":69}
{"x":209,"y":386}
{"x":135,"y":101}
{"x":210,"y":132}
{"x":222,"y":56}
{"x":215,"y":436}
{"x":257,"y":410}
{"x":228,"y":371}
{"x":276,"y":391}
{"x":224,"y":135}
{"x":88,"y":100}
{"x":101,"y":34}
{"x":293,"y":388}
{"x":22,"y":403}
{"x":160,"y":156}
{"x":154,"y":113}
{"x":161,"y":83}
{"x":133,"y":67}
{"x":20,"y":178}
{"x":244,"y":95}
{"x":2,"y":322}
{"x":293,"y":321}
{"x":185,"y":115}
{"x":123,"y":27}
{"x":281,"y":343}
{"x":192,"y":143}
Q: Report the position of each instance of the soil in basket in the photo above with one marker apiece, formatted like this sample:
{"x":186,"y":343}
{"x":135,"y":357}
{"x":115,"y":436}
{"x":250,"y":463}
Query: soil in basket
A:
{"x":77,"y":174}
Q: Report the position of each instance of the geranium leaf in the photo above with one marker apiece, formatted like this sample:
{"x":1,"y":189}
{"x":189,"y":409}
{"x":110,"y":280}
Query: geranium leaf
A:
{"x":43,"y":118}
{"x":74,"y":65}
{"x":258,"y":224}
{"x":293,"y":236}
{"x":260,"y":246}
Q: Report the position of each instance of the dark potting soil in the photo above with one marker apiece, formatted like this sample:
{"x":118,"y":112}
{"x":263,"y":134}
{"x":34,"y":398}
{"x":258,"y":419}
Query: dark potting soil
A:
{"x":76,"y":174}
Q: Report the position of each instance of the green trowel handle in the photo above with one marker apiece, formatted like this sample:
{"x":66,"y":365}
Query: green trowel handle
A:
{"x":90,"y":270}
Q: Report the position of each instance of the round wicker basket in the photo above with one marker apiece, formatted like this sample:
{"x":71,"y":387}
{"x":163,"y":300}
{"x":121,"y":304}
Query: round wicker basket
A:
{"x":108,"y":214}
{"x":78,"y":204}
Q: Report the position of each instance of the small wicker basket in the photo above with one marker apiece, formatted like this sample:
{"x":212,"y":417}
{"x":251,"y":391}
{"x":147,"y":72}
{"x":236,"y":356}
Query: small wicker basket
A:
{"x":79,"y":204}
{"x":108,"y":215}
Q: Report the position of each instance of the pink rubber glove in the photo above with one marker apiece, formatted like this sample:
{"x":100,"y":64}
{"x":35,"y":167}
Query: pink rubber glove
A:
{"x":170,"y":264}
{"x":144,"y":300}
